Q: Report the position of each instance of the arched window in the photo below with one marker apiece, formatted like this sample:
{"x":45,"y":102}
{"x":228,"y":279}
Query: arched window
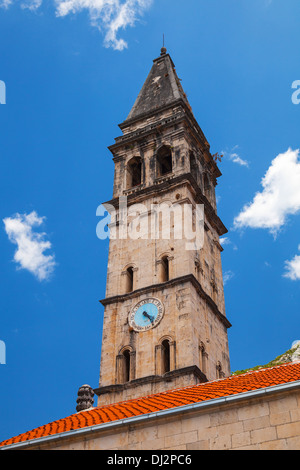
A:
{"x":134,"y":172}
{"x":165,"y":357}
{"x":164,"y":161}
{"x":126,"y":372}
{"x":126,"y":365}
{"x":165,"y":269}
{"x":129,"y":279}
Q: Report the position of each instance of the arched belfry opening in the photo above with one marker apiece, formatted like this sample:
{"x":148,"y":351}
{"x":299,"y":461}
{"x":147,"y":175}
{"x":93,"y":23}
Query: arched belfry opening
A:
{"x":134,"y":173}
{"x":164,"y":161}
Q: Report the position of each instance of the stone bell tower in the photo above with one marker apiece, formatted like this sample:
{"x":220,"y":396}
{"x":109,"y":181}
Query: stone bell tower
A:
{"x":164,"y":321}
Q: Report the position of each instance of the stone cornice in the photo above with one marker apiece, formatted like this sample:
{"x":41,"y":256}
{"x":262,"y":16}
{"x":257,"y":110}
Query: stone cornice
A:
{"x":142,"y":193}
{"x":172,"y":282}
{"x":168,"y":377}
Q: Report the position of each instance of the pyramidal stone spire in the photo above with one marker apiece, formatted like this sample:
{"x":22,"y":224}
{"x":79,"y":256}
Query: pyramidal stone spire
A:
{"x":162,"y":88}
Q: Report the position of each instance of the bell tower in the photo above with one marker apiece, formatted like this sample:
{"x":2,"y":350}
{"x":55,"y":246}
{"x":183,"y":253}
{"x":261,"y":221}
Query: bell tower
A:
{"x":164,"y":325}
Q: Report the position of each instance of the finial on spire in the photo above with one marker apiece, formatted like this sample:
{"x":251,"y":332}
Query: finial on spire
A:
{"x":163,"y":49}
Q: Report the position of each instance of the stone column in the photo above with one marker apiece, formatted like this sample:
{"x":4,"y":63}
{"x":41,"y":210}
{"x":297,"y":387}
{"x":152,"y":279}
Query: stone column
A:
{"x":132,"y":365}
{"x":172,"y":355}
{"x":158,"y":359}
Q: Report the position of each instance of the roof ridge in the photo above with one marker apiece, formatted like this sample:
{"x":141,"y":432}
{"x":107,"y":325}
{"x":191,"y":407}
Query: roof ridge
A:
{"x":263,"y":368}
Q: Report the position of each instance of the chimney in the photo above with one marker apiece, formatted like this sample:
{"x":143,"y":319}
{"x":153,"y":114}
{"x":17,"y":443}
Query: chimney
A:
{"x":85,"y":398}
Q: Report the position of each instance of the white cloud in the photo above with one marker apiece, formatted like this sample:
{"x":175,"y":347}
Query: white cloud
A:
{"x":109,"y":16}
{"x":5,"y":3}
{"x":224,"y":241}
{"x":235,"y":157}
{"x":30,"y":245}
{"x":31,"y":4}
{"x":279,"y":198}
{"x":228,"y":275}
{"x":293,"y":268}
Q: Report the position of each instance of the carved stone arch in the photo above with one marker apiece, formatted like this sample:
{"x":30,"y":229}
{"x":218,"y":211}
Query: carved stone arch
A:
{"x":166,"y":200}
{"x":130,"y":265}
{"x":165,"y":254}
{"x":166,"y":338}
{"x":126,"y":348}
{"x":164,"y":143}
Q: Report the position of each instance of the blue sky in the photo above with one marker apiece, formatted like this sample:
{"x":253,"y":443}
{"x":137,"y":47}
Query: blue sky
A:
{"x":72,"y":75}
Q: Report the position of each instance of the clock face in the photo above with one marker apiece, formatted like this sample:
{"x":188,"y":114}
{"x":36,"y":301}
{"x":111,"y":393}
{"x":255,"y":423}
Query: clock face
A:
{"x":146,"y":314}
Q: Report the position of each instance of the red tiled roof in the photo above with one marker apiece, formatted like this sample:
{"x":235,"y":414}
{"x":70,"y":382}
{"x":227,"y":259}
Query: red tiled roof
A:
{"x":233,"y":385}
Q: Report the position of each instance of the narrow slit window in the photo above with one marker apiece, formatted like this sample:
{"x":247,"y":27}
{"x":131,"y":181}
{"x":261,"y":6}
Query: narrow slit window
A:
{"x":165,"y":269}
{"x":126,"y":363}
{"x":129,"y":280}
{"x":165,"y":357}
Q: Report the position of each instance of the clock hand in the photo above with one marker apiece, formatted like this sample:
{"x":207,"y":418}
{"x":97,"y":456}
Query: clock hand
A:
{"x":148,"y":316}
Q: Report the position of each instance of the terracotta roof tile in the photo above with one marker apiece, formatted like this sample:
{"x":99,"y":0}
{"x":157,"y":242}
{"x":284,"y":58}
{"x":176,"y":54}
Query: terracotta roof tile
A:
{"x":233,"y":385}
